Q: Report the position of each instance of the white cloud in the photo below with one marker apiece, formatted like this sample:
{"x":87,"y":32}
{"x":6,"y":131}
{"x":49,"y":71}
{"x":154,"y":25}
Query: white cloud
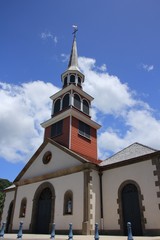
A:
{"x":103,"y":68}
{"x":22,"y":109}
{"x":49,"y":35}
{"x":55,"y":40}
{"x":65,"y":57}
{"x":141,"y":126}
{"x":111,"y":96}
{"x":147,"y":67}
{"x":134,"y":120}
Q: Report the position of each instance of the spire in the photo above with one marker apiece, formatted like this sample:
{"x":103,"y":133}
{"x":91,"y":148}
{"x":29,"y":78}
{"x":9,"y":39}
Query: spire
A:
{"x":73,"y":75}
{"x":73,"y":62}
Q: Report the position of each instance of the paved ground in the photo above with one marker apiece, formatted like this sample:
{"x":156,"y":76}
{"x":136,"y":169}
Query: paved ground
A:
{"x":75,"y":237}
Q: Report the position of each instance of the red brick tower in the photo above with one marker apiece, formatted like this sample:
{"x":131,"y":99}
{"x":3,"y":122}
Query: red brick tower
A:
{"x":70,"y":123}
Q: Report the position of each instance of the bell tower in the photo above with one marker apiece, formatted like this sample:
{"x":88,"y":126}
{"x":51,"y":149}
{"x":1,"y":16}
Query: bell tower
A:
{"x":70,"y":124}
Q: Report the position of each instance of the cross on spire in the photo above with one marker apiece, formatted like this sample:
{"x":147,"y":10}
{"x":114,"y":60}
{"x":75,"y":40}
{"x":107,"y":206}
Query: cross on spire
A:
{"x":75,"y":29}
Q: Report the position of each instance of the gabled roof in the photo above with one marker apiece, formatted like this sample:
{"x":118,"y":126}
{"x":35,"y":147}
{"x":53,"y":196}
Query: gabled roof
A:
{"x":48,"y":140}
{"x":133,"y":151}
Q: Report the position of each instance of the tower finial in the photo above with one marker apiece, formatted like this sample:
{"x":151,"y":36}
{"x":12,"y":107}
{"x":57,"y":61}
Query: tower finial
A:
{"x":75,"y":29}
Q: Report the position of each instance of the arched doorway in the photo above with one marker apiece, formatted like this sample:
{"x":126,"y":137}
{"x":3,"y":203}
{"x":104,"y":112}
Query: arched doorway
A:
{"x":43,"y":216}
{"x":131,"y":209}
{"x":43,"y":209}
{"x":9,"y":217}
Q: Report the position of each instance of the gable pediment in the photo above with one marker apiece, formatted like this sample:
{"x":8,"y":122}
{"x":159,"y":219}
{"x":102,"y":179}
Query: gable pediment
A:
{"x":61,"y":159}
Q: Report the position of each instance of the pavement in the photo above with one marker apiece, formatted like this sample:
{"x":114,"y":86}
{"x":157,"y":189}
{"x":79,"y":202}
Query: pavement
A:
{"x":75,"y":237}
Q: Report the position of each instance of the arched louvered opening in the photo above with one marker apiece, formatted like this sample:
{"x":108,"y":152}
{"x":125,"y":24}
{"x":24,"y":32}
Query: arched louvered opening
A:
{"x":57,"y":106}
{"x":79,"y":81}
{"x":65,"y":82}
{"x":65,"y":102}
{"x":72,"y":78}
{"x":85,"y":107}
{"x":77,"y":101}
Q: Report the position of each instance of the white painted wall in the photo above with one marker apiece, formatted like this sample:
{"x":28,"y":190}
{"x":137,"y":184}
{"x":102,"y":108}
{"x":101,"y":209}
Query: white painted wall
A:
{"x":142,"y":173}
{"x":26,"y":191}
{"x":73,"y":182}
{"x":60,"y":160}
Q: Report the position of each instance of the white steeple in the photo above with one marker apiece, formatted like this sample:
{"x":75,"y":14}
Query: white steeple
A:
{"x":73,"y":75}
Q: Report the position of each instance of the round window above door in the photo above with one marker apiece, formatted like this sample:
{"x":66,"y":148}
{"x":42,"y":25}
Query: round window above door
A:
{"x":47,"y":157}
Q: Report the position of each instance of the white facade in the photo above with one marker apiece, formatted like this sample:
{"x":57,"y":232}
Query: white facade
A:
{"x":142,"y":173}
{"x":94,"y":201}
{"x":58,"y":185}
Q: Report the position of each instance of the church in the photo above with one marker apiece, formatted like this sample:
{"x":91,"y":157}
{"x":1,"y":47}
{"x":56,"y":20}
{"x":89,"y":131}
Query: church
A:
{"x":64,"y":181}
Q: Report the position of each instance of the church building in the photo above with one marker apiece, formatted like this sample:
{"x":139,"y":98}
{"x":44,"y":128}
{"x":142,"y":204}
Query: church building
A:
{"x":65,"y":182}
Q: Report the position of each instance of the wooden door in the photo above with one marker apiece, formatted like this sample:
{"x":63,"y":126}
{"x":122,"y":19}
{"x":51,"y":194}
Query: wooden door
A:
{"x":44,"y":211}
{"x":131,"y":209}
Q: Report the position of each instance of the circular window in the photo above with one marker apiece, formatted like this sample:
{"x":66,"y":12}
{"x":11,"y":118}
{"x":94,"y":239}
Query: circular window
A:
{"x":47,"y":157}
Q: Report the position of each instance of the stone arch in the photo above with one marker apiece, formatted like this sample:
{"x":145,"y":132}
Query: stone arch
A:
{"x":9,"y":218}
{"x":120,"y":203}
{"x":43,"y":186}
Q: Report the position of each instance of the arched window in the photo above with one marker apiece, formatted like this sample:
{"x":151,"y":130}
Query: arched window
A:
{"x":72,"y":79}
{"x":77,"y":101}
{"x":65,"y":102}
{"x":85,"y":107}
{"x":57,"y":105}
{"x":23,"y":208}
{"x":65,"y":81}
{"x":68,"y":203}
{"x":79,"y":81}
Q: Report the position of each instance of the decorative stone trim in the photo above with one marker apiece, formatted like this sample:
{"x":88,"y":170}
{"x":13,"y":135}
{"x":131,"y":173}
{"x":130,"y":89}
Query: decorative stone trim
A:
{"x":90,"y":202}
{"x":55,"y":174}
{"x":120,"y":211}
{"x":88,"y":206}
{"x":156,"y":163}
{"x":85,"y":224}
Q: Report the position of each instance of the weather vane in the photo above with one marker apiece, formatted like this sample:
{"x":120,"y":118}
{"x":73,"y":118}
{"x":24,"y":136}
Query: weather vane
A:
{"x":75,"y":29}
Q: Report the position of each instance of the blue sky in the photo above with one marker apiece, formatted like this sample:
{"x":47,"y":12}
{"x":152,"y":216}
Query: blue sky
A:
{"x":119,"y":53}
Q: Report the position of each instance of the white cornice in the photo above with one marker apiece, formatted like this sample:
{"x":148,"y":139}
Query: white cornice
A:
{"x":74,"y":113}
{"x":71,"y":87}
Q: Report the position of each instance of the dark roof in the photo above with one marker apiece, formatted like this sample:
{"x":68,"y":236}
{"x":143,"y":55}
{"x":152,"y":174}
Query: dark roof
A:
{"x":132,"y":151}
